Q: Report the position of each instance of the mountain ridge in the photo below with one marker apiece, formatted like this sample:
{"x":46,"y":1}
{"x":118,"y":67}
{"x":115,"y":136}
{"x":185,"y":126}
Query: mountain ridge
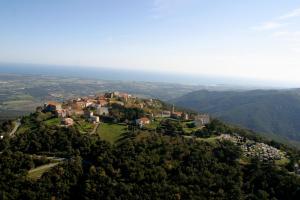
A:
{"x":267,"y":111}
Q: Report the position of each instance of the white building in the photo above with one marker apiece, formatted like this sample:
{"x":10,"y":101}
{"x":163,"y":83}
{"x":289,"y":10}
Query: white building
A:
{"x":102,"y":110}
{"x":94,"y":119}
{"x":201,"y":120}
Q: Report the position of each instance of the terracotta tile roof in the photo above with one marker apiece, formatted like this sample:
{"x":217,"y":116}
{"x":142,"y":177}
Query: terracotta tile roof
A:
{"x":177,"y":113}
{"x":144,"y":119}
{"x":53,"y":103}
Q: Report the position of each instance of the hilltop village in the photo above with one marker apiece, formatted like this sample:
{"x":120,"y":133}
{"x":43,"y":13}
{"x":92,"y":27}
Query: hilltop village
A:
{"x":107,"y":112}
{"x":119,"y":138}
{"x":110,"y":115}
{"x":109,"y":107}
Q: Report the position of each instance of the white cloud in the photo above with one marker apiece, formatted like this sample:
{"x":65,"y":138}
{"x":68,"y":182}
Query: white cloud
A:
{"x":292,"y":14}
{"x":269,"y":26}
{"x":292,"y":36}
{"x":279,"y":22}
{"x":282,"y":30}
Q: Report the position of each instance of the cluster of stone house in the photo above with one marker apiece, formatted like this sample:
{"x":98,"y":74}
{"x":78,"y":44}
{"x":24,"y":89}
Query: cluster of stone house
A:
{"x":199,"y":119}
{"x":91,"y":117}
{"x":116,"y":94}
{"x":94,"y":107}
{"x":254,"y":149}
{"x":173,"y":114}
{"x":90,"y":107}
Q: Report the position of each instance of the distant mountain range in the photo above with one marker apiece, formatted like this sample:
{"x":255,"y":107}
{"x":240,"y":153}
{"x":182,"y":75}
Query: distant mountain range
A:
{"x":273,"y":112}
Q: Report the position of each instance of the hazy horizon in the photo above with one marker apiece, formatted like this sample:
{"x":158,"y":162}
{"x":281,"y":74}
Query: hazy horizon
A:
{"x":253,"y":41}
{"x":115,"y":74}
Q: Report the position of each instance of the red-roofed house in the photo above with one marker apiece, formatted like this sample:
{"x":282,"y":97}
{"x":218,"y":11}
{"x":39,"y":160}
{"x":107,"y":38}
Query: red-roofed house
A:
{"x":142,"y":121}
{"x":102,"y":102}
{"x":52,"y":106}
{"x":176,"y":114}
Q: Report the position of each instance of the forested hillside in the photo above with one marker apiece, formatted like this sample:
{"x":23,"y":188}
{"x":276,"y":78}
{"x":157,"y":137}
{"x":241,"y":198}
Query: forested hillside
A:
{"x":47,"y":161}
{"x":268,"y":111}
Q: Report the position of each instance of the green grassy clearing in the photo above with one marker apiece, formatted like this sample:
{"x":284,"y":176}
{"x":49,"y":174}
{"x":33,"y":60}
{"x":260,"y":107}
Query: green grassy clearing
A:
{"x":23,"y":128}
{"x":244,"y":160}
{"x":210,"y":139}
{"x":45,"y":116}
{"x":282,"y":162}
{"x":111,"y":132}
{"x":52,"y":122}
{"x":189,"y":130}
{"x":84,"y":126}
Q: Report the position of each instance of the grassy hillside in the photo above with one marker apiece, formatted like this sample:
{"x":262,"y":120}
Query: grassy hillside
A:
{"x":111,"y":132}
{"x":276,"y":112}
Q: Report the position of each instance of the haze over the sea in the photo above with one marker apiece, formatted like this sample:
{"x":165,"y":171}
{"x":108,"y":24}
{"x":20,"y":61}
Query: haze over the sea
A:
{"x":138,"y":75}
{"x":240,"y":40}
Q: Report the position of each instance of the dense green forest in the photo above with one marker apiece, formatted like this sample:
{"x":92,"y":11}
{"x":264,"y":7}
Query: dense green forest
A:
{"x":142,"y":164}
{"x":273,"y":112}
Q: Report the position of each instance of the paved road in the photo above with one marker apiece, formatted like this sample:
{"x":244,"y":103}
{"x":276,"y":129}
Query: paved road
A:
{"x":18,"y":123}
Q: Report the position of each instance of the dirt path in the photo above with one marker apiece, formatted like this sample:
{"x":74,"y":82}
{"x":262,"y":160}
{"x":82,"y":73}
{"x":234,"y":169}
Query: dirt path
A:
{"x":37,"y":173}
{"x":43,"y":167}
{"x":12,"y":133}
{"x":95,"y":129}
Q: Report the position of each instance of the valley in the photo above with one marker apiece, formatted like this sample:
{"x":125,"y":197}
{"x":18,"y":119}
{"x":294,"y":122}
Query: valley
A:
{"x":273,"y":113}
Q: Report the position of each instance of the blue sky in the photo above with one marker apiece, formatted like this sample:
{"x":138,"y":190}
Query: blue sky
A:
{"x":252,"y":39}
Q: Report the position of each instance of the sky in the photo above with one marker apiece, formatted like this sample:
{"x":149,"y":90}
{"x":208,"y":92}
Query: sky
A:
{"x":257,"y":39}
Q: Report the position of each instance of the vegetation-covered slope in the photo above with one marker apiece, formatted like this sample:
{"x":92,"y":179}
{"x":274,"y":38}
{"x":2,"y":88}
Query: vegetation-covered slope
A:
{"x":268,"y":111}
{"x":144,"y":164}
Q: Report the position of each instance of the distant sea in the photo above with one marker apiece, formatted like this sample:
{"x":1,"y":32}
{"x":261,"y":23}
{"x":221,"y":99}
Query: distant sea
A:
{"x":130,"y":75}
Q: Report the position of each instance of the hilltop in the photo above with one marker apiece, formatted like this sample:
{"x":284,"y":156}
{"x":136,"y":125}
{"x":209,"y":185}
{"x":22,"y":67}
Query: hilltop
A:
{"x":116,"y":145}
